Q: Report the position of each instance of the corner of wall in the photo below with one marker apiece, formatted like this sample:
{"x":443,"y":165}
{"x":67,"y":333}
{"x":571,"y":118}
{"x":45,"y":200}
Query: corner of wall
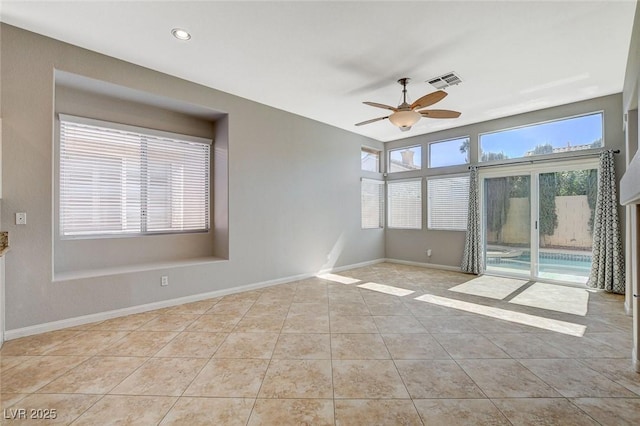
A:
{"x":220,"y":185}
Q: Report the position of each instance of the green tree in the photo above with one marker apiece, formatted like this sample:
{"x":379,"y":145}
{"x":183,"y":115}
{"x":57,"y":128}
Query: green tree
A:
{"x":497,"y":204}
{"x":592,"y":194}
{"x":543,"y":149}
{"x":491,"y":156}
{"x":547,"y":209}
{"x":548,"y":217}
{"x":464,"y":149}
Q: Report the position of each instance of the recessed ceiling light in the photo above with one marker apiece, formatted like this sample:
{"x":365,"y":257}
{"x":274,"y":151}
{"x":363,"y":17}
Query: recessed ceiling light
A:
{"x":180,"y":34}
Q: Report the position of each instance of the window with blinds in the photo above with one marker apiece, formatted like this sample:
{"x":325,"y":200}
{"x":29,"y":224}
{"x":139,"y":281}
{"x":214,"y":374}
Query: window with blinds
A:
{"x":448,"y":203}
{"x":372,"y":203}
{"x":124,"y":180}
{"x":404,"y":204}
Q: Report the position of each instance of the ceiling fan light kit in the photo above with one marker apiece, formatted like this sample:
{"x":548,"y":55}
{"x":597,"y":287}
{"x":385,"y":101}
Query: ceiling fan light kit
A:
{"x":404,"y":119}
{"x":406,"y":115}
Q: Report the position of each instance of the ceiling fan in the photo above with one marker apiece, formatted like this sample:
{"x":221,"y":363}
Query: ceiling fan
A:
{"x":406,"y":115}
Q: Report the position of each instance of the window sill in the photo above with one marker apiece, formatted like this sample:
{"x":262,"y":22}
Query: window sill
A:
{"x":142,"y":267}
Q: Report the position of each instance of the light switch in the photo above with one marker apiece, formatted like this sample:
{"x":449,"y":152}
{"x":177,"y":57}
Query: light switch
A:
{"x":21,"y":218}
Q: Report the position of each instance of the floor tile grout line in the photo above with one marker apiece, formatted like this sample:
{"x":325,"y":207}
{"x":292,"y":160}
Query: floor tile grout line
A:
{"x":333,"y":387}
{"x":471,"y":378}
{"x":484,"y":334}
{"x":582,"y":411}
{"x":255,"y":400}
{"x":501,"y":412}
{"x":204,"y":364}
{"x":108,"y":392}
{"x":87,"y":409}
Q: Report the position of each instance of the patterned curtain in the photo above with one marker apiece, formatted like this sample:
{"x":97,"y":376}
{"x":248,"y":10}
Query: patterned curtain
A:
{"x":472,"y":256}
{"x":607,"y":267}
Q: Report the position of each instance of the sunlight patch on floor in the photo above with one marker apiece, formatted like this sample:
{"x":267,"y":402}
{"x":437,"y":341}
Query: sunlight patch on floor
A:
{"x":488,"y":286}
{"x":503,"y":314}
{"x":338,"y":278}
{"x":382,"y":288}
{"x":569,"y":300}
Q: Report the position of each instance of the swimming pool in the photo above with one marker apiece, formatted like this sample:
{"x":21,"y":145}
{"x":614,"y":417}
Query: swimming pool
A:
{"x":562,"y":266}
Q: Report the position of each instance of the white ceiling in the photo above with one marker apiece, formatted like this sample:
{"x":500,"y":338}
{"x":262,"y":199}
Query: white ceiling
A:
{"x":322,"y":59}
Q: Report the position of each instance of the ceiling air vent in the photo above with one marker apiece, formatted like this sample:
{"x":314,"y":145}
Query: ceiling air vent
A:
{"x":445,"y":80}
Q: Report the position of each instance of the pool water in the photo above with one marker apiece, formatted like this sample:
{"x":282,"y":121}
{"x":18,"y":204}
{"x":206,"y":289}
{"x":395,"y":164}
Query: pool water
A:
{"x":561,"y":266}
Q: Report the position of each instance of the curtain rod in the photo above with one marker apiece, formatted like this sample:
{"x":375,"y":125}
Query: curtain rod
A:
{"x":568,"y":157}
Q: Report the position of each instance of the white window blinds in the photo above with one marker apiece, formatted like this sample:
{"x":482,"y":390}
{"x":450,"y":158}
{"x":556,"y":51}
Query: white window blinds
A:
{"x":372,"y":203}
{"x":117,"y":179}
{"x":448,"y":202}
{"x":404,"y":202}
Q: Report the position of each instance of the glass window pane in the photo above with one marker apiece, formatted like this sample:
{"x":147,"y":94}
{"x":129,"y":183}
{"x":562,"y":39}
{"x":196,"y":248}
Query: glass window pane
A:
{"x":449,"y":153}
{"x":507,"y":215}
{"x":571,"y":134}
{"x":567,"y":202}
{"x":405,"y":159}
{"x":370,"y":160}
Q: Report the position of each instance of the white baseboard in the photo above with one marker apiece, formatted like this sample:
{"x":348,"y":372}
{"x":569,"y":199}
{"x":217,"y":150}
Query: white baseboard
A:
{"x":102,"y":316}
{"x":424,"y":265}
{"x":348,"y":267}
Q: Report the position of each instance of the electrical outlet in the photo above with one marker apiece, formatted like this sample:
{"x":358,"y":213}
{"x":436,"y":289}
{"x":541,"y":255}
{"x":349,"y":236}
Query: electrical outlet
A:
{"x":21,"y":218}
{"x":164,"y":281}
{"x":429,"y":252}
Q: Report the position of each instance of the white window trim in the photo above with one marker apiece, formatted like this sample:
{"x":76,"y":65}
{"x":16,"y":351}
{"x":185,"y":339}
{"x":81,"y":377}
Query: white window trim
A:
{"x":372,"y":151}
{"x":389,"y":151}
{"x":537,"y":123}
{"x":442,"y":141}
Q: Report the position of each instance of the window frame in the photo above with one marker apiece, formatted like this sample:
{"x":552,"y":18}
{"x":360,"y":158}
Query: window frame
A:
{"x":389,"y":151}
{"x":370,"y":150}
{"x":144,"y":216}
{"x":538,"y":123}
{"x":381,"y":218}
{"x":429,"y":156}
{"x":420,"y":204}
{"x":428,"y":203}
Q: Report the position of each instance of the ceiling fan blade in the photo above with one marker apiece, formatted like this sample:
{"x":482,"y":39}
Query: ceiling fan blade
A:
{"x":373,"y":120}
{"x":377,"y":105}
{"x":439,"y":113}
{"x":429,"y":99}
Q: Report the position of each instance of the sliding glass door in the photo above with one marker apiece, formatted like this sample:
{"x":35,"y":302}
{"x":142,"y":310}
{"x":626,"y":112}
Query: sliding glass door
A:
{"x":537,"y":223}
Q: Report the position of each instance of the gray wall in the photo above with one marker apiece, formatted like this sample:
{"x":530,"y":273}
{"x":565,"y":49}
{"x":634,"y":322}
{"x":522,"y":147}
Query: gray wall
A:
{"x":447,"y":246}
{"x":293,"y":193}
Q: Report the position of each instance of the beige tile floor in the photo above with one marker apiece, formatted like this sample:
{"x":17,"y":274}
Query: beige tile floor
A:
{"x":319,"y":352}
